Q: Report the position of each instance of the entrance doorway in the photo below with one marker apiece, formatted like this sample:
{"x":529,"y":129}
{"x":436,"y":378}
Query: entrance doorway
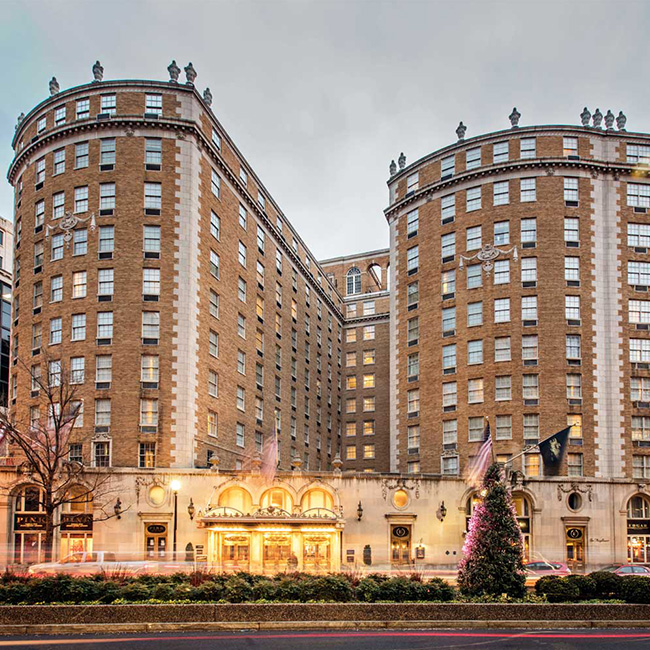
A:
{"x":156,"y":541}
{"x":400,"y":538}
{"x":575,"y":548}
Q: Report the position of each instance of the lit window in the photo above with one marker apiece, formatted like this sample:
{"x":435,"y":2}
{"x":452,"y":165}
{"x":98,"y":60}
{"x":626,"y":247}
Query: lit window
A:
{"x":448,"y":282}
{"x":569,"y":146}
{"x":574,"y":386}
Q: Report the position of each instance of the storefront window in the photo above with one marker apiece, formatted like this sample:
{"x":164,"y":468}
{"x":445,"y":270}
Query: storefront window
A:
{"x":638,"y":529}
{"x":29,"y":526}
{"x":77,"y":523}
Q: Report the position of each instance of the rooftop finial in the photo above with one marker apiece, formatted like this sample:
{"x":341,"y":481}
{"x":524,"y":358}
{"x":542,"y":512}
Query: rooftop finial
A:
{"x":19,"y":121}
{"x":174,"y":72}
{"x":609,"y":121}
{"x":207,"y":97}
{"x":401,"y":161}
{"x":461,"y":130}
{"x":392,"y":168}
{"x":98,"y":71}
{"x":190,"y":73}
{"x":54,"y":86}
{"x":585,"y":116}
{"x":621,"y":121}
{"x":514,"y":117}
{"x":597,"y":118}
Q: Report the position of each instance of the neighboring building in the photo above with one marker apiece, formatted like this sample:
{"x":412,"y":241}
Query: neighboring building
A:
{"x":6,"y":281}
{"x":199,"y":327}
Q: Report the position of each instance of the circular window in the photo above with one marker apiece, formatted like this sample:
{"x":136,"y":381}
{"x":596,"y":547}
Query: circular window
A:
{"x":157,"y":495}
{"x":400,"y":499}
{"x":574,"y":501}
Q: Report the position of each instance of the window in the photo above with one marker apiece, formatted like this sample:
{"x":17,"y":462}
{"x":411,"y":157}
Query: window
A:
{"x":153,"y":152}
{"x":448,"y":246}
{"x":83,"y":108}
{"x":574,"y":464}
{"x":573,"y":346}
{"x":449,"y":358}
{"x":571,"y":231}
{"x":572,"y":308}
{"x":59,"y":115}
{"x":501,"y":193}
{"x":350,"y":452}
{"x":529,"y":271}
{"x":151,"y":242}
{"x":640,"y":427}
{"x":105,"y":325}
{"x":107,"y":151}
{"x":474,"y":276}
{"x":39,"y":209}
{"x":212,"y":424}
{"x":473,"y":199}
{"x":239,"y":435}
{"x":214,"y":264}
{"x":638,"y":273}
{"x":474,"y":352}
{"x":412,"y":182}
{"x":56,"y":288}
{"x":40,"y":170}
{"x":215,"y":184}
{"x":449,"y":432}
{"x":502,"y":348}
{"x":575,"y":422}
{"x":149,"y":368}
{"x":80,"y":242}
{"x":503,"y":427}
{"x":531,"y":426}
{"x":151,"y":325}
{"x":572,"y":269}
{"x":571,"y":190}
{"x":528,"y":232}
{"x":57,"y":248}
{"x":474,"y":314}
{"x":369,"y":333}
{"x":55,"y":331}
{"x":412,"y":260}
{"x":151,"y":282}
{"x":152,"y":196}
{"x":368,"y":404}
{"x":101,"y":454}
{"x":153,"y":104}
{"x":81,"y":155}
{"x":449,"y":394}
{"x":353,"y":281}
{"x":243,"y":176}
{"x":640,"y":389}
{"x":413,"y":366}
{"x":569,"y":146}
{"x":638,"y":235}
{"x":502,"y":272}
{"x":59,"y":162}
{"x":448,"y":208}
{"x":106,"y":196}
{"x":54,"y":373}
{"x":351,"y":336}
{"x":501,"y":233}
{"x":475,"y":429}
{"x":412,"y":330}
{"x":262,"y":203}
{"x":448,"y":283}
{"x":78,"y":327}
{"x":532,"y":466}
{"x":638,"y":154}
{"x":638,"y":195}
{"x":529,"y":348}
{"x":81,"y":199}
{"x":213,"y":383}
{"x":413,"y":401}
{"x":103,"y":369}
{"x":574,"y":386}
{"x":473,"y":158}
{"x":449,"y":466}
{"x":147,"y":452}
{"x":213,"y":343}
{"x":641,"y":466}
{"x":500,"y":152}
{"x":242,"y":254}
{"x":530,"y":387}
{"x":474,"y":238}
{"x":639,"y":350}
{"x":529,"y":308}
{"x":449,"y":319}
{"x":214,"y":304}
{"x":413,"y":439}
{"x":79,"y":284}
{"x":37,"y":295}
{"x":106,"y":239}
{"x":350,"y":382}
{"x":503,"y":388}
{"x":261,"y":240}
{"x":528,"y":191}
{"x":241,"y":326}
{"x":474,"y":391}
{"x":527,"y":148}
{"x":448,"y":167}
{"x":412,"y":223}
{"x":502,"y":310}
{"x":369,"y":451}
{"x":102,"y":412}
{"x":148,"y":412}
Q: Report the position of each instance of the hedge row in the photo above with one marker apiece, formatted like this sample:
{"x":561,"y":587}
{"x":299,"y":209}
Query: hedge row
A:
{"x":230,"y":588}
{"x":600,"y":585}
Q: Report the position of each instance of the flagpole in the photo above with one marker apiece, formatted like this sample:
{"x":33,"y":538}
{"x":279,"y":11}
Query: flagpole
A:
{"x":531,"y":447}
{"x":491,"y":441}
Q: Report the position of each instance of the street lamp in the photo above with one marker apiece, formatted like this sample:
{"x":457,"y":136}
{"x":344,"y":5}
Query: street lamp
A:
{"x":175,"y":486}
{"x":359,"y":511}
{"x":191,"y":509}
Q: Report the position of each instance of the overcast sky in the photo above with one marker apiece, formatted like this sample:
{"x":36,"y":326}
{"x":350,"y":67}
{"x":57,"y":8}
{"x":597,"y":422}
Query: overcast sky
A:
{"x":319,"y":96}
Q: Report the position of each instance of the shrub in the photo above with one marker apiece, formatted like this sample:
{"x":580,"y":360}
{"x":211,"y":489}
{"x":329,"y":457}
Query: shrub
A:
{"x":327,"y":588}
{"x":237,"y":590}
{"x":210,"y":590}
{"x":587,"y":588}
{"x":135,"y":591}
{"x":287,"y":589}
{"x":636,"y":589}
{"x":367,"y":590}
{"x":557,"y":590}
{"x":607,"y":584}
{"x":438,"y":590}
{"x":163,"y":591}
{"x":400,"y":590}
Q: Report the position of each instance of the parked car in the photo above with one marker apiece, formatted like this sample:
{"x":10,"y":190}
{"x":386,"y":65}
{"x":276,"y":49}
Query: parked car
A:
{"x":90,"y":563}
{"x":632,"y":570}
{"x":542,"y":568}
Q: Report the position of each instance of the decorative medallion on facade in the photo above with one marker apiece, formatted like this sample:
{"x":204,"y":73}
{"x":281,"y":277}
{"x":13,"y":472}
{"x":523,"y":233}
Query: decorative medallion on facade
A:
{"x":574,"y":487}
{"x":67,"y":224}
{"x":400,"y":483}
{"x":487,"y":255}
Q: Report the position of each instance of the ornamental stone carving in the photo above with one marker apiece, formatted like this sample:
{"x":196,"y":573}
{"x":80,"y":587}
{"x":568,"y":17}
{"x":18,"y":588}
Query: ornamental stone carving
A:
{"x":585,"y":116}
{"x":67,"y":224}
{"x":514,"y":117}
{"x":574,"y":487}
{"x":20,"y":120}
{"x":487,"y":255}
{"x":174,"y":72}
{"x":609,"y":121}
{"x":207,"y":97}
{"x":190,"y":74}
{"x":598,"y":119}
{"x":54,"y":86}
{"x":401,"y":161}
{"x":621,"y":121}
{"x":98,"y":71}
{"x":392,"y":168}
{"x":461,"y":130}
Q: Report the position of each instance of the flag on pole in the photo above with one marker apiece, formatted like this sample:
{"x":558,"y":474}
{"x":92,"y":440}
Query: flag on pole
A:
{"x":270,"y":456}
{"x":552,"y":451}
{"x":478,"y":465}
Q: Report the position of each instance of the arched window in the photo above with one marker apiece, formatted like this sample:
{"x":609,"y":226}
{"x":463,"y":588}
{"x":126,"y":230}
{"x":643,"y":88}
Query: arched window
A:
{"x":353,"y":281}
{"x":278,"y":498}
{"x":375,"y":272}
{"x":638,"y":529}
{"x":317,"y":498}
{"x":238,"y":498}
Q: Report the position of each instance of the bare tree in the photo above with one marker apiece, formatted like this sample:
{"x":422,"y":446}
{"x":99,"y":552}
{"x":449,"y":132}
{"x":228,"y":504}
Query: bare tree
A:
{"x":41,"y":440}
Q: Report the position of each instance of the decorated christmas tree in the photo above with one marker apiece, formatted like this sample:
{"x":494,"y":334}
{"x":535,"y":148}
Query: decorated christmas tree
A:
{"x":492,"y":562}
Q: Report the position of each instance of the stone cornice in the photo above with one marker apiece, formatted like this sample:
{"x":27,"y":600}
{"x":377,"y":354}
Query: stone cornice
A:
{"x":360,"y":320}
{"x":546,"y":166}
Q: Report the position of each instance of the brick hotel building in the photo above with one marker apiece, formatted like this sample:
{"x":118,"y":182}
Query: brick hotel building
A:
{"x":155,"y":270}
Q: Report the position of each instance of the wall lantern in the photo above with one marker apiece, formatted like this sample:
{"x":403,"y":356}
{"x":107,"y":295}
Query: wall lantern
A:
{"x":442,"y":511}
{"x":117,"y":508}
{"x":191,"y":509}
{"x":359,"y":511}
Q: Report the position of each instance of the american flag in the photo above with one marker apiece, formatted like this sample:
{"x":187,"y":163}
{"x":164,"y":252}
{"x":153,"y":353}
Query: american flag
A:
{"x":270,"y":456}
{"x":480,"y":462}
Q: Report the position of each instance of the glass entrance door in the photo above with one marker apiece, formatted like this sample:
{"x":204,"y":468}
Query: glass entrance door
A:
{"x":155,"y":541}
{"x":575,"y":548}
{"x":400,"y":544}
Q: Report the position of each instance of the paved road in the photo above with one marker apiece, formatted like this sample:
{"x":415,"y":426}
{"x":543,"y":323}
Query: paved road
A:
{"x":352,"y":640}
